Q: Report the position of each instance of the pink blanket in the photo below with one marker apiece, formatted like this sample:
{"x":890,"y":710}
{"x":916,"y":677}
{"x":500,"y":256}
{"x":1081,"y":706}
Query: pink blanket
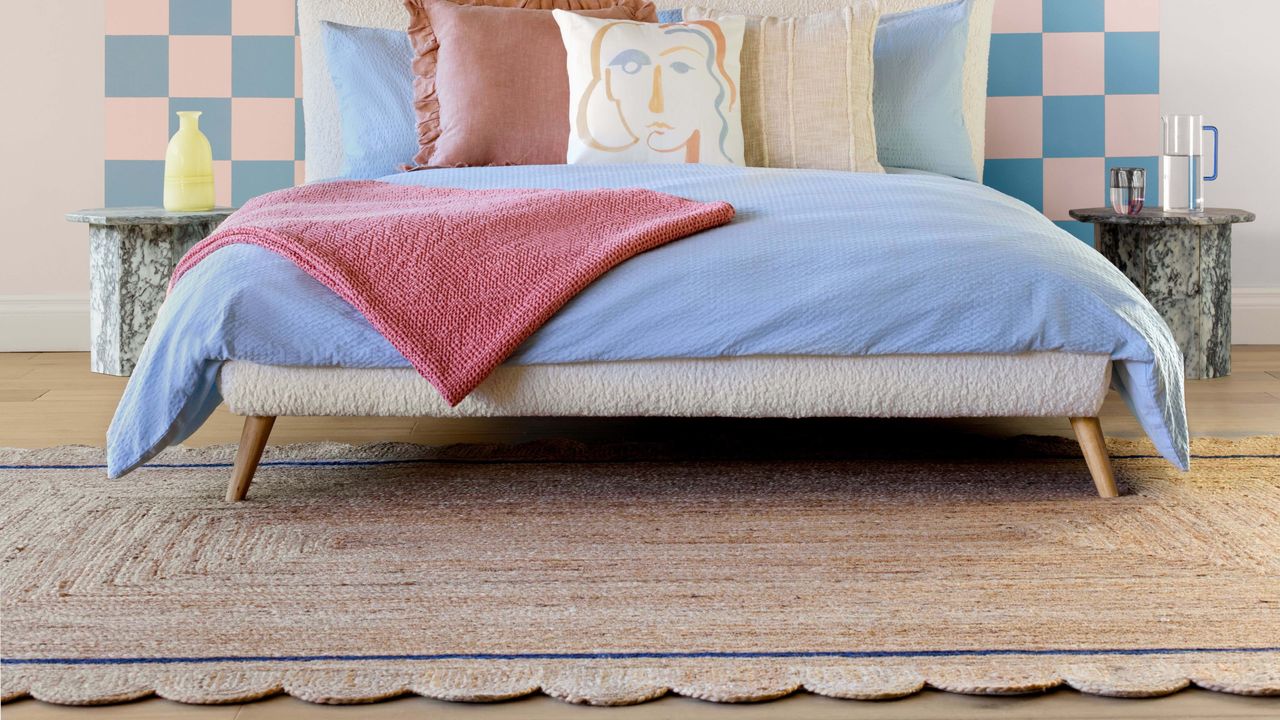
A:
{"x":457,"y":279}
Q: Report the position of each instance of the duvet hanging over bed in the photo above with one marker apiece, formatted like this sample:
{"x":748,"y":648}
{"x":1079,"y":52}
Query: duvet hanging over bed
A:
{"x":815,"y":263}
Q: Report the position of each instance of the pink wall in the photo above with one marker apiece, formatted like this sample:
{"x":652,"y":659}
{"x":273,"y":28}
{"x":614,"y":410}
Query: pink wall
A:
{"x":52,"y":144}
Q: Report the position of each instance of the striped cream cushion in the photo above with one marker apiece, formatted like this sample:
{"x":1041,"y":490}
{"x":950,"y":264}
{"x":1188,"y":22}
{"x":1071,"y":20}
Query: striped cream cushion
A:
{"x":806,"y":88}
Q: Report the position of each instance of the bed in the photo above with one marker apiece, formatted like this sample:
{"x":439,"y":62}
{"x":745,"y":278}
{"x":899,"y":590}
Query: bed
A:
{"x":932,"y":297}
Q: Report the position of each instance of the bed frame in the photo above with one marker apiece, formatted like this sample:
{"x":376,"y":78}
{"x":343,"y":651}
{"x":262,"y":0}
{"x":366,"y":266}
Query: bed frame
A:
{"x":1030,"y":385}
{"x":1048,"y":384}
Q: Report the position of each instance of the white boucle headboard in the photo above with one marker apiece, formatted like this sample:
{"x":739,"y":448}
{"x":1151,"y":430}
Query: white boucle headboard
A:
{"x":320,"y":104}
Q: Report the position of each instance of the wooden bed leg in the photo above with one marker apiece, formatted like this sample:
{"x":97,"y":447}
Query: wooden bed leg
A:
{"x":252,"y":442}
{"x":1089,"y":434}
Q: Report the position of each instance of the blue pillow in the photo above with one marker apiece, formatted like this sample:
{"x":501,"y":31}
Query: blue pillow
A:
{"x":919,"y":90}
{"x":372,"y":72}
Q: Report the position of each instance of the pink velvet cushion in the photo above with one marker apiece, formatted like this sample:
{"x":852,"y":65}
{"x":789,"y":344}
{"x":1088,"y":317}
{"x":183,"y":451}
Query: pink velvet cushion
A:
{"x":490,"y":80}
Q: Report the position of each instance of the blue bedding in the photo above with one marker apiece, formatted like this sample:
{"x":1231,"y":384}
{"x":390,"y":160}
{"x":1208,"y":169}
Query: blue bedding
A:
{"x":815,"y":263}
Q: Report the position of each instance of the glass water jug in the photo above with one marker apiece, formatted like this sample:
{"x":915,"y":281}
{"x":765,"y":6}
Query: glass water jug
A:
{"x":1182,"y":163}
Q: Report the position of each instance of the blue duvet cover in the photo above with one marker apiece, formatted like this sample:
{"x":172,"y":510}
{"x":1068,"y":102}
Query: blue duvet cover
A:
{"x":815,"y":263}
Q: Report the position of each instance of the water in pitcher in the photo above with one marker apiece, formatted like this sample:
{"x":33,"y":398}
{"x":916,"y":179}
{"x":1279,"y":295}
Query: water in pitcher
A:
{"x":1182,"y":183}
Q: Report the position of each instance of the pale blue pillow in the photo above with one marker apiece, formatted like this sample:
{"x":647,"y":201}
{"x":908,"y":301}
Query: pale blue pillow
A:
{"x":919,"y":90}
{"x":373,"y":75}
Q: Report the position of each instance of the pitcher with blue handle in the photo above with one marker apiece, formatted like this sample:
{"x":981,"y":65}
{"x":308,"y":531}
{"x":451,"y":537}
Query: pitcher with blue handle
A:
{"x":1182,"y":164}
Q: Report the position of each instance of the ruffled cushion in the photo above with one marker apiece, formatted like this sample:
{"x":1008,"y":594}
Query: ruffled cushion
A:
{"x":490,"y":79}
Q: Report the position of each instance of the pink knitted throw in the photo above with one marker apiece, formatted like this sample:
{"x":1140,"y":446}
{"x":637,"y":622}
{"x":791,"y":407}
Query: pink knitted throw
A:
{"x":457,"y":279}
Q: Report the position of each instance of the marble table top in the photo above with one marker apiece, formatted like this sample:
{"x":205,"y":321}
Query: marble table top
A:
{"x":146,"y":216}
{"x":1156,"y":216}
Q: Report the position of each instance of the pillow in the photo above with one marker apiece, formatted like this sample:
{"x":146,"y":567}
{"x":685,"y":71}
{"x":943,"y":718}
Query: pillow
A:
{"x":807,"y":88}
{"x":374,"y":83}
{"x":647,"y":93}
{"x":919,"y":90}
{"x":489,"y":85}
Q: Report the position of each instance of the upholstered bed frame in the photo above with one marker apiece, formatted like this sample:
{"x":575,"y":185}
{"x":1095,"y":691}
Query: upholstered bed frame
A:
{"x":1049,"y":384}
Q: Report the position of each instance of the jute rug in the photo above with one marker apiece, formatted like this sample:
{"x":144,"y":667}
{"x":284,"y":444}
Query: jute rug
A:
{"x":616,"y":575}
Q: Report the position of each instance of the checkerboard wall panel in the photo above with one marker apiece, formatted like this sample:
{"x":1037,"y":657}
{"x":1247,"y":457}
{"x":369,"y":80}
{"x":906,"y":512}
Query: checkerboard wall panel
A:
{"x":1073,"y":90}
{"x":233,"y":60}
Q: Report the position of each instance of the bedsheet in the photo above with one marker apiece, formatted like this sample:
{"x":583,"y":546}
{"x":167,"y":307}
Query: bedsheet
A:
{"x":815,"y":263}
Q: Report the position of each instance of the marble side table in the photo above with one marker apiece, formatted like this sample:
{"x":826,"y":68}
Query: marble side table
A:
{"x":1182,"y":264}
{"x":132,"y":253}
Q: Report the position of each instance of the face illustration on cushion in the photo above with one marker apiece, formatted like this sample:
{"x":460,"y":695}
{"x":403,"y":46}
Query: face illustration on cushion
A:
{"x":669,"y":96}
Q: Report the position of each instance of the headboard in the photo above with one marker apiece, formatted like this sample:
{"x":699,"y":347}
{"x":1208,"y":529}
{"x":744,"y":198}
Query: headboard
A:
{"x":320,"y":103}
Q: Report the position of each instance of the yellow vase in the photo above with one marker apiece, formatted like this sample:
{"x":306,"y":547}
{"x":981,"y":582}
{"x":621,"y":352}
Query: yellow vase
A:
{"x":188,"y":167}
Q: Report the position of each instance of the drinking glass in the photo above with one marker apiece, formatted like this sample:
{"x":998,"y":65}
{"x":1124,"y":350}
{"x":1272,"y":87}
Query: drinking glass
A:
{"x":1128,"y":190}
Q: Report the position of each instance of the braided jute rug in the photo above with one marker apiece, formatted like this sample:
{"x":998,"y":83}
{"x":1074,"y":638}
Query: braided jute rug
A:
{"x":613,"y":575}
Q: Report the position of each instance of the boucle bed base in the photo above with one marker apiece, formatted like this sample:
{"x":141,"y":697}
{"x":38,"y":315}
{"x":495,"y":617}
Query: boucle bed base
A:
{"x":1048,"y":384}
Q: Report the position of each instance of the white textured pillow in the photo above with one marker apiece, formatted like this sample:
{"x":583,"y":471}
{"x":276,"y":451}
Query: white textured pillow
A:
{"x":653,"y":93}
{"x":807,"y":88}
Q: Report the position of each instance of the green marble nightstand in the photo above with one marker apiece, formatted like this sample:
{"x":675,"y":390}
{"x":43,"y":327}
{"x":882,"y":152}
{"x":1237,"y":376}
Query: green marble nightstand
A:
{"x":1182,"y":264}
{"x":132,"y":253}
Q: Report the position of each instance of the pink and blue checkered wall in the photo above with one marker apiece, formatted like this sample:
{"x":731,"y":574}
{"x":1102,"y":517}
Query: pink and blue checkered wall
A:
{"x":237,"y":61}
{"x":1074,"y":89}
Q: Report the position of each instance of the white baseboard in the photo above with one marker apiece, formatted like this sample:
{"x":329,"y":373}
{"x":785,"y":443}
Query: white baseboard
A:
{"x":44,"y":323}
{"x":50,"y":323}
{"x":1255,"y":316}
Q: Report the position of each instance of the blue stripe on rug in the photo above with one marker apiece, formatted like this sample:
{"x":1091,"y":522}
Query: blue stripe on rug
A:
{"x":339,"y":463}
{"x":709,"y":655}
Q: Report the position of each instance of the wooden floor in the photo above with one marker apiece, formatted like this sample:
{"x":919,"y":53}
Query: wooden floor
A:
{"x":51,"y":399}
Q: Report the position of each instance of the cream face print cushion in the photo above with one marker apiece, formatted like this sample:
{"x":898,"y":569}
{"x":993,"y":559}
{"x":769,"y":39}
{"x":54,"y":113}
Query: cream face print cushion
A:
{"x":653,"y":92}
